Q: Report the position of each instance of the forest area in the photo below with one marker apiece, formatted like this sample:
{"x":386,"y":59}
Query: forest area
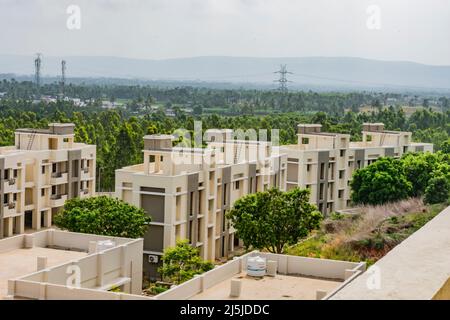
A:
{"x":118,"y":132}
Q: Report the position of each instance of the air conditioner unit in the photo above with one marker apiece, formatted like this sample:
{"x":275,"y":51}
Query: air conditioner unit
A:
{"x":152,"y":258}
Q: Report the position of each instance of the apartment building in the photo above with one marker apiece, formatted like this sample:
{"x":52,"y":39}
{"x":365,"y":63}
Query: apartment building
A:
{"x":324,"y":162}
{"x":187,"y":191}
{"x":39,"y":173}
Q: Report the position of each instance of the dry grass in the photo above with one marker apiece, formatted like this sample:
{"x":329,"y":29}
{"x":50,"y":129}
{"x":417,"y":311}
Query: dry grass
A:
{"x":372,"y":217}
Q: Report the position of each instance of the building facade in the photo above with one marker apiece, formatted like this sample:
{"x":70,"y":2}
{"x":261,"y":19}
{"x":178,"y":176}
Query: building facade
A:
{"x":187,"y":191}
{"x":324,"y":162}
{"x":39,"y":173}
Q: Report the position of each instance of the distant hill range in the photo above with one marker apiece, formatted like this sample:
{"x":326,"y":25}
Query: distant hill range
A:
{"x":320,"y":72}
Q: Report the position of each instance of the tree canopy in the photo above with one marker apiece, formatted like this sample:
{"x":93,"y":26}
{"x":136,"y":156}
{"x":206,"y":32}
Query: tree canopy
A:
{"x":273,"y":219}
{"x":182,"y":262}
{"x":103,"y":215}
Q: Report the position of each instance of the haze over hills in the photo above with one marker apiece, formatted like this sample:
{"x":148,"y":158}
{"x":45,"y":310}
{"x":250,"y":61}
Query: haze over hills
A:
{"x":335,"y":72}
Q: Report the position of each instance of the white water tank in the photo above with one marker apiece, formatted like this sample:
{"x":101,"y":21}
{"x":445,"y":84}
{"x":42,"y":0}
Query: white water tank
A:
{"x":256,"y":266}
{"x":105,"y":245}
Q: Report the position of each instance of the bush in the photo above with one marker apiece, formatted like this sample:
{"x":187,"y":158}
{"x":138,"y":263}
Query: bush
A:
{"x":438,"y":190}
{"x":103,"y":216}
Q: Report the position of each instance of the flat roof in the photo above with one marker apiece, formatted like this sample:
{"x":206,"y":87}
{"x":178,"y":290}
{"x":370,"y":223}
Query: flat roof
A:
{"x":20,"y":262}
{"x":280,"y":287}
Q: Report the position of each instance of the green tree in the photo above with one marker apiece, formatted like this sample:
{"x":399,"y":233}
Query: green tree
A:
{"x":381,"y":182}
{"x":438,"y":190}
{"x":418,"y":170}
{"x":103,"y":216}
{"x":273,"y":219}
{"x":182,"y":262}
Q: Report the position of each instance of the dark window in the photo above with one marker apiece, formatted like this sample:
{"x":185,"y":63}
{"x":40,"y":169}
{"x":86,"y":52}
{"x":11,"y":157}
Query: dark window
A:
{"x":322,"y":170}
{"x":308,"y":167}
{"x":6,"y":173}
{"x":340,"y":194}
{"x":236,"y":185}
{"x":43,"y":170}
{"x":305,"y":140}
{"x":54,"y":167}
{"x":342,"y":153}
{"x":53,"y":189}
{"x":42,"y":192}
{"x":341,"y":174}
{"x":152,"y":158}
{"x":5,"y":198}
{"x":15,"y":173}
{"x":14,"y":196}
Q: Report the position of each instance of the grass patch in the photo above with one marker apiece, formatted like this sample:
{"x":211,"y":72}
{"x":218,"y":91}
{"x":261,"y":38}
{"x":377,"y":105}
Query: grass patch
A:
{"x":366,"y":236}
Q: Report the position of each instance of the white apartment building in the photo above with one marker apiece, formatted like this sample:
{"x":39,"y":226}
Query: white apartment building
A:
{"x":187,"y":191}
{"x":324,"y":162}
{"x":39,"y":173}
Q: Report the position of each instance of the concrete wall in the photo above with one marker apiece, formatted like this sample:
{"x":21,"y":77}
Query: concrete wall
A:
{"x":288,"y":265}
{"x":119,"y":266}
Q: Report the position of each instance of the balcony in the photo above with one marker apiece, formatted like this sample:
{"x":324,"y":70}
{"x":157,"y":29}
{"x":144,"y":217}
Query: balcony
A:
{"x":58,"y":178}
{"x":9,"y":209}
{"x":84,"y":193}
{"x":85,"y":173}
{"x":57,"y":200}
{"x":10,"y":185}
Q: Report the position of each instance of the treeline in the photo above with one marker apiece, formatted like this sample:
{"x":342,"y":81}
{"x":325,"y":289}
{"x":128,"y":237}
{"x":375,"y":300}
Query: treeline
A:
{"x":118,"y":135}
{"x":223,"y":101}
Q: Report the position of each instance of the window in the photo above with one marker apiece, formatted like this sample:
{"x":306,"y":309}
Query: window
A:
{"x":308,"y":167}
{"x":42,"y":192}
{"x":66,"y":140}
{"x":322,"y":170}
{"x":321,"y":192}
{"x":43,"y":169}
{"x":236,"y":185}
{"x":368,"y":138}
{"x":342,"y":153}
{"x":14,"y":196}
{"x":53,"y":189}
{"x":341,"y":174}
{"x":162,"y":158}
{"x":15,"y":173}
{"x":5,"y":198}
{"x":54,"y":167}
{"x":152,"y":158}
{"x":6,"y":174}
{"x":405,"y":149}
{"x":305,"y":140}
{"x":340,"y":194}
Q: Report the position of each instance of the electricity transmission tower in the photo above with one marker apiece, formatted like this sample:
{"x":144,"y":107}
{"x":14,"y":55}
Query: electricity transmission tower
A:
{"x":37,"y":69}
{"x":63,"y":76}
{"x":282,"y":80}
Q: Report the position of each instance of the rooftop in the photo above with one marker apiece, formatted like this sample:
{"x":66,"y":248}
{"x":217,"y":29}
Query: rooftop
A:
{"x":280,"y":287}
{"x":19,"y":262}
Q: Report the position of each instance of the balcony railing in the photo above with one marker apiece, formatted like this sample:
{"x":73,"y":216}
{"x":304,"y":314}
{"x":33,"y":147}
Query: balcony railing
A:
{"x":56,"y":196}
{"x":12,"y":181}
{"x":11,"y":205}
{"x":85,"y":169}
{"x":57,"y":174}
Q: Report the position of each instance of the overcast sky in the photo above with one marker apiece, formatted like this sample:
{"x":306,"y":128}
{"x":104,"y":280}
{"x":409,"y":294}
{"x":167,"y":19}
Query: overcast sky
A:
{"x":412,"y":30}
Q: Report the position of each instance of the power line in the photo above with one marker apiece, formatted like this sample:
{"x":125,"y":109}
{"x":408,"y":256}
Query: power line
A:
{"x":282,"y":80}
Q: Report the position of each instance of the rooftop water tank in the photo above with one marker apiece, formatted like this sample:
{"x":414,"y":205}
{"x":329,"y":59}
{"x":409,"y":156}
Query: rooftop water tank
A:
{"x":256,"y":266}
{"x":105,"y":245}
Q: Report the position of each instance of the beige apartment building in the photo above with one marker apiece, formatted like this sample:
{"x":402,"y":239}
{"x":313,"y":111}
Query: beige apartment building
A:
{"x":39,"y":173}
{"x":187,"y":191}
{"x":324,"y":162}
